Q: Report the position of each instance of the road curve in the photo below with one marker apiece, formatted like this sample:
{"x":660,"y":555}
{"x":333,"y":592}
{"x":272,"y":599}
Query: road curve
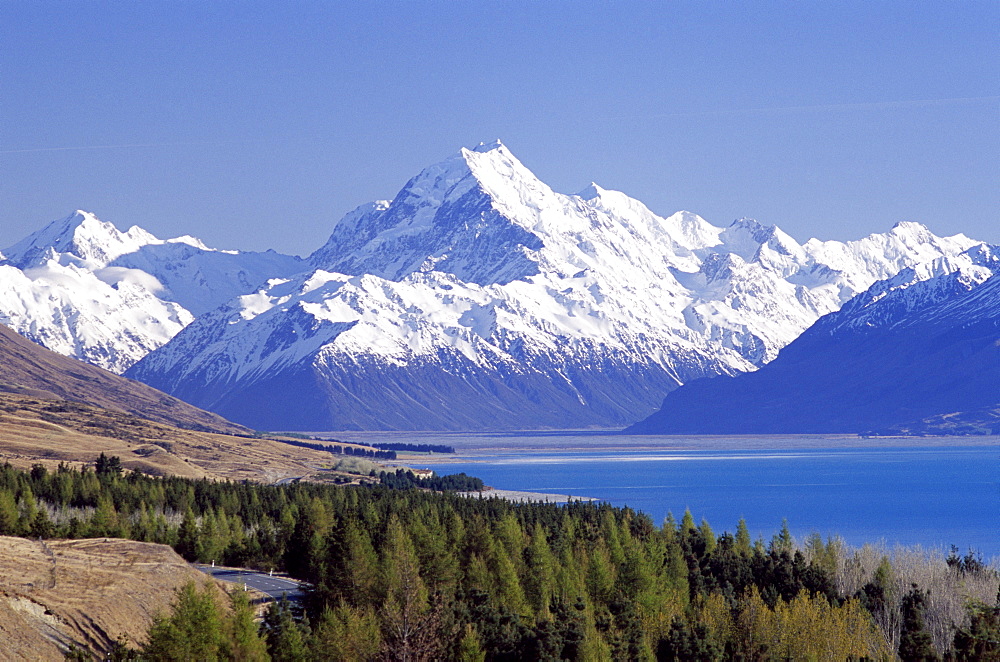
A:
{"x":276,"y":587}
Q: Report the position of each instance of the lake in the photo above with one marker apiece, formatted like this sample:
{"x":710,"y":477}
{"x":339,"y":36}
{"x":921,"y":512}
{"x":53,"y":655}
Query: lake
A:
{"x":932,"y":493}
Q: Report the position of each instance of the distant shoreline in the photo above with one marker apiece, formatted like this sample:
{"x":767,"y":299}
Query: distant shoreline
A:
{"x":470,"y":446}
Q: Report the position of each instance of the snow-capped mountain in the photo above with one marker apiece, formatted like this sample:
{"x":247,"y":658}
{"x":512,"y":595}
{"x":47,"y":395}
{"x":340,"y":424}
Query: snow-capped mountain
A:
{"x":914,"y":353}
{"x":82,"y":288}
{"x":481,"y":298}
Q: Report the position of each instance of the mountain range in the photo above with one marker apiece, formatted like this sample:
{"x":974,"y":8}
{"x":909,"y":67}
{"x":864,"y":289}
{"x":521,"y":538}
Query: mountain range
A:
{"x":918,"y":353}
{"x":477,"y":298}
{"x":82,"y":288}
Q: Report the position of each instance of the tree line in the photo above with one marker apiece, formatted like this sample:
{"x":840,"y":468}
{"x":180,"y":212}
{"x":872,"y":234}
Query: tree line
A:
{"x":416,"y":575}
{"x":374,"y":454}
{"x":414,"y":448}
{"x":403,"y":479}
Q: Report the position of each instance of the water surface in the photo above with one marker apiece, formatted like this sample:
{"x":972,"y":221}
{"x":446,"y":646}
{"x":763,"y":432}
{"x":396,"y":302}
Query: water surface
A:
{"x":912,"y":492}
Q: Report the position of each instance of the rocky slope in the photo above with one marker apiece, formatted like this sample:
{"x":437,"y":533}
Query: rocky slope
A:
{"x":59,"y":594}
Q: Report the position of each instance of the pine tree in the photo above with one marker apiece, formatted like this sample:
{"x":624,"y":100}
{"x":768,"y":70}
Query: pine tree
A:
{"x":469,"y":647}
{"x":915,"y":643}
{"x":192,"y":632}
{"x":540,"y":571}
{"x":286,"y":637}
{"x":189,"y":538}
{"x":346,"y":634}
{"x":9,"y":518}
{"x":242,"y":641}
{"x":410,"y":627}
{"x":743,"y":544}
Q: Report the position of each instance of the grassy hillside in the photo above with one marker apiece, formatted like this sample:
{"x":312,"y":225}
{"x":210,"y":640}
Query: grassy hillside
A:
{"x":33,"y":430}
{"x":29,"y":369}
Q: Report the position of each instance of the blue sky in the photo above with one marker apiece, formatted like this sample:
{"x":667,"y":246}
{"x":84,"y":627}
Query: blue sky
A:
{"x":258,"y":125}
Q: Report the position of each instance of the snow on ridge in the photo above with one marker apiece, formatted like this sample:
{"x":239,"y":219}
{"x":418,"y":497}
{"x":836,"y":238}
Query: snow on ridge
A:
{"x":81,"y":287}
{"x":475,"y":255}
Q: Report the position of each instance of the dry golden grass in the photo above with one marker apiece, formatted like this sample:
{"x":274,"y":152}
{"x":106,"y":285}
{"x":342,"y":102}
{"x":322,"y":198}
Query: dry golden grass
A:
{"x":57,"y":593}
{"x":33,"y":430}
{"x":30,"y":369}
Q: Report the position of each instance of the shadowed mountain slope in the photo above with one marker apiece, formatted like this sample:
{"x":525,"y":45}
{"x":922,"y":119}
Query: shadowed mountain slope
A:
{"x":911,"y":355}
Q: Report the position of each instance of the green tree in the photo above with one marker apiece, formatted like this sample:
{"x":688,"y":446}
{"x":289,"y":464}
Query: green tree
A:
{"x":104,"y":521}
{"x":469,"y":647}
{"x":346,"y":634}
{"x":411,"y":629}
{"x":9,"y":524}
{"x":192,"y":632}
{"x":108,"y":466}
{"x":189,"y":538}
{"x":242,"y":639}
{"x":981,"y":639}
{"x":743,"y":544}
{"x":540,"y":571}
{"x":915,"y":643}
{"x":286,"y":636}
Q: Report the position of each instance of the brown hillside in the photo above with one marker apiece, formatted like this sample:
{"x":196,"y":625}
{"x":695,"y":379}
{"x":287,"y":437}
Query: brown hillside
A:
{"x":58,"y":593}
{"x":34,"y":430}
{"x":30,"y":369}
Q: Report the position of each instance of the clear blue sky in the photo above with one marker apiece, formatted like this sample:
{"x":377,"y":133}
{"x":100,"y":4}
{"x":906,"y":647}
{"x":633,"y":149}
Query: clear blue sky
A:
{"x":257,"y":125}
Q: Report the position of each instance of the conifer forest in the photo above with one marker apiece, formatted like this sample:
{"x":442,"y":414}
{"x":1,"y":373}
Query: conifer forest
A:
{"x":397,"y":572}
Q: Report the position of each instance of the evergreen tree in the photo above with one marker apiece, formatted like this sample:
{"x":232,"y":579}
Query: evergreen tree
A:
{"x":242,"y":641}
{"x":915,"y":643}
{"x":286,"y":636}
{"x":9,"y":517}
{"x":743,"y":544}
{"x":346,"y":634}
{"x":192,"y":632}
{"x":108,"y":466}
{"x":189,"y":538}
{"x":469,"y":647}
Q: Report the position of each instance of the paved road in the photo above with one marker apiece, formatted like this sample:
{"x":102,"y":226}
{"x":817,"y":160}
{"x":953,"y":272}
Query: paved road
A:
{"x":273,"y":586}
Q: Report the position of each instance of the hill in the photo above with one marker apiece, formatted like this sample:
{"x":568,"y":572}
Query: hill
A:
{"x":87,"y":593}
{"x":57,"y":409}
{"x":44,"y":431}
{"x":29,"y":369}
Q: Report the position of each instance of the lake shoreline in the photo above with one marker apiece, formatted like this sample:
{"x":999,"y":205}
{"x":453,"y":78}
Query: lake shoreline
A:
{"x":934,"y":492}
{"x":469,"y":446}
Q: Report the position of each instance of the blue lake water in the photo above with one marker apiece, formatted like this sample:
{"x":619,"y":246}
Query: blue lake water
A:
{"x":933,"y":496}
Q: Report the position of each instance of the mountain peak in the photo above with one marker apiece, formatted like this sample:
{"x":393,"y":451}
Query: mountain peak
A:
{"x":591,"y":192}
{"x":488,"y":147}
{"x":473,"y":215}
{"x":753,"y":226}
{"x":80,"y":235}
{"x":910,"y":225}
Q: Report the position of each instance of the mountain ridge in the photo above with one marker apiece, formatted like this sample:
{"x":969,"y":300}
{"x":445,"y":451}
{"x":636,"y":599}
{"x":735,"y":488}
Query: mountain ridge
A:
{"x":82,"y":288}
{"x":906,"y":357}
{"x":499,"y":292}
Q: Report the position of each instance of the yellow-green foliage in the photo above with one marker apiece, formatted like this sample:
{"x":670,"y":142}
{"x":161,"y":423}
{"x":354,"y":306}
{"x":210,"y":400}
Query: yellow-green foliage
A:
{"x":806,"y":628}
{"x":356,"y":465}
